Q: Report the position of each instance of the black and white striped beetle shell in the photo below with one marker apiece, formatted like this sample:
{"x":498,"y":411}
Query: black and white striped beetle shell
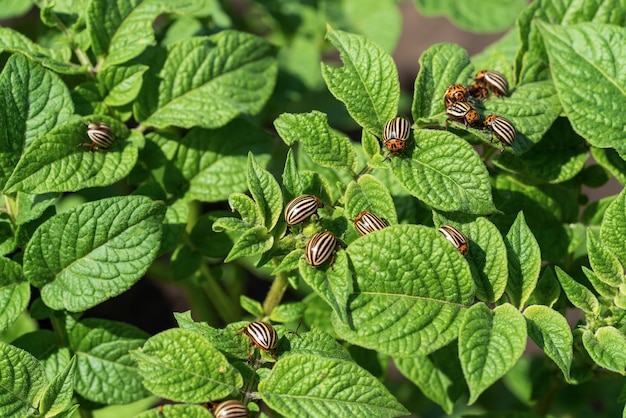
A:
{"x":101,"y":136}
{"x":367,"y":221}
{"x":395,"y":134}
{"x":502,"y":128}
{"x":301,"y":208}
{"x":494,"y":81}
{"x":262,"y":335}
{"x":464,"y":112}
{"x":320,"y":247}
{"x":456,"y":238}
{"x":231,"y":409}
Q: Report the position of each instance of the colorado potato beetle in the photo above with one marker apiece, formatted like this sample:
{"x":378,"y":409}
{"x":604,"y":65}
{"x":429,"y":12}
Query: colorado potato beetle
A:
{"x":230,"y":409}
{"x":101,"y":136}
{"x":261,"y":334}
{"x":502,"y":128}
{"x":395,"y":134}
{"x":367,"y":221}
{"x":455,"y":93}
{"x":301,"y":208}
{"x":494,"y":81}
{"x":463,"y":112}
{"x":478,"y":92}
{"x":456,"y":238}
{"x":321,"y":247}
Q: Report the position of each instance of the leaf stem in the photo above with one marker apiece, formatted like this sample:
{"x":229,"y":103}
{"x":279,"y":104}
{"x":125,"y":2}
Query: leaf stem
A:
{"x":80,"y":54}
{"x":366,"y":170}
{"x":223,"y":303}
{"x":275,"y":294}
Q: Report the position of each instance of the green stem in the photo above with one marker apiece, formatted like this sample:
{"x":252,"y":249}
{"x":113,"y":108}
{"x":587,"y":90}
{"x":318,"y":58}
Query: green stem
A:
{"x":275,"y":295}
{"x":366,"y":170}
{"x":226,"y":308}
{"x":10,"y":209}
{"x":80,"y":54}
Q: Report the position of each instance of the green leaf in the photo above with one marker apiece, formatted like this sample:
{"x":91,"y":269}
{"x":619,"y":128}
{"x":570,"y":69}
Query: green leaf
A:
{"x":246,"y":207}
{"x":292,"y":181}
{"x":547,"y":290}
{"x":315,"y":342}
{"x":484,"y":16}
{"x":252,"y":306}
{"x":34,"y":101}
{"x":410,"y":292}
{"x":32,"y":206}
{"x":559,"y":156}
{"x":545,"y":209}
{"x":579,"y":295}
{"x":446,"y":173}
{"x":610,"y":159}
{"x":44,"y":346}
{"x":438,"y":375}
{"x":607,"y":347}
{"x":174,"y":223}
{"x":371,"y":194}
{"x":490,"y":343}
{"x":122,"y":30}
{"x":208,"y":242}
{"x":288,"y":312}
{"x":613,"y":228}
{"x":378,"y":20}
{"x":22,"y":383}
{"x":524,"y":261}
{"x":532,"y":108}
{"x":603,"y":262}
{"x":122,"y":83}
{"x":326,"y":147}
{"x":551,"y":332}
{"x":57,"y":396}
{"x":176,"y":411}
{"x":367,"y":83}
{"x":54,"y":163}
{"x":213,"y":162}
{"x":209,"y":81}
{"x":101,"y":348}
{"x":55,"y":59}
{"x":94,"y":251}
{"x":601,"y":287}
{"x":308,"y":385}
{"x":183,"y":366}
{"x":253,"y":241}
{"x":532,"y":60}
{"x":265,"y":191}
{"x":290,"y":262}
{"x":15,"y":8}
{"x":14,"y":292}
{"x":334,"y":284}
{"x":440,"y":66}
{"x":598,"y":50}
{"x":486,"y":257}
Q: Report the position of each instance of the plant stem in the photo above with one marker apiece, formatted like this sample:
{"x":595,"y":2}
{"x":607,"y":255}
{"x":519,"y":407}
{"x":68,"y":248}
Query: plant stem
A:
{"x":80,"y":54}
{"x":275,"y":295}
{"x":224,"y":305}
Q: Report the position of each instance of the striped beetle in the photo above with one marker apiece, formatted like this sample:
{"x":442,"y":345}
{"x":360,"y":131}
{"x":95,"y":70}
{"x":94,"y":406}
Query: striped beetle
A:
{"x":320,"y":247}
{"x":395,"y":134}
{"x":494,"y":81}
{"x":456,"y":238}
{"x":455,"y":93}
{"x":301,"y":208}
{"x":367,"y":221}
{"x":261,"y":334}
{"x":502,"y":128}
{"x":463,"y":112}
{"x":230,"y":409}
{"x":101,"y":136}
